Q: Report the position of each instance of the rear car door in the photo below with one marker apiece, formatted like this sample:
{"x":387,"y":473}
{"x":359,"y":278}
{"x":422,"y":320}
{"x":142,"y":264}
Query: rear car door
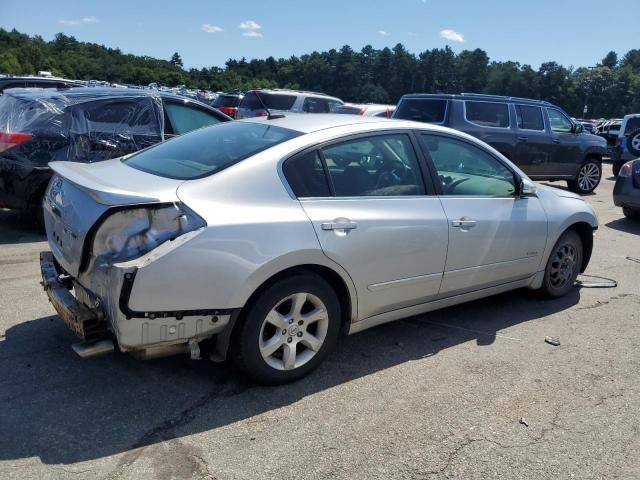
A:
{"x":533,"y":146}
{"x":375,"y":216}
{"x":495,"y":237}
{"x":565,"y":145}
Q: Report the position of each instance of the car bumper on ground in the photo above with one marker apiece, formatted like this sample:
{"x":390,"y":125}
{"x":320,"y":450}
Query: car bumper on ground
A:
{"x":93,"y":316}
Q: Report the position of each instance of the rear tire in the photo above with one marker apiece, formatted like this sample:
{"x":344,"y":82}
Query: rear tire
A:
{"x":588,"y":177}
{"x":563,"y":266}
{"x":287,"y":330}
{"x":631,"y":213}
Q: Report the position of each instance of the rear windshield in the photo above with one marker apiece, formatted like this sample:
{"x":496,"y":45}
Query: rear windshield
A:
{"x":273,"y":101}
{"x":422,"y":110}
{"x":209,"y":150}
{"x":226,"y":101}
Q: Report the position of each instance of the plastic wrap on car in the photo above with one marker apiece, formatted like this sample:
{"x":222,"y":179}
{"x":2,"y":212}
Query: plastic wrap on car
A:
{"x":85,"y":126}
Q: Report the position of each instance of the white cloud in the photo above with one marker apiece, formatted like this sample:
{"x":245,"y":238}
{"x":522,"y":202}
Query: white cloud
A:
{"x":252,"y":33}
{"x":207,"y":27}
{"x":79,"y":21}
{"x":250,"y":25}
{"x":383,"y":33}
{"x":452,"y":35}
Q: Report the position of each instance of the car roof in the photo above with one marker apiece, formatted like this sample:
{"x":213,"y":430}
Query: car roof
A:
{"x":478,"y":97}
{"x":313,"y":122}
{"x":286,"y":91}
{"x":39,"y":79}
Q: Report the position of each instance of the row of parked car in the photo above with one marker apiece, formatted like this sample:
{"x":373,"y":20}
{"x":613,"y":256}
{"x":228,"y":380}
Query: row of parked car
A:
{"x":94,"y":124}
{"x":263,"y":239}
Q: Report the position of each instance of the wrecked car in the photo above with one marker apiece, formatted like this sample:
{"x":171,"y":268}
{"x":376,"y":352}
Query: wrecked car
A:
{"x":266,"y":238}
{"x":38,"y":126}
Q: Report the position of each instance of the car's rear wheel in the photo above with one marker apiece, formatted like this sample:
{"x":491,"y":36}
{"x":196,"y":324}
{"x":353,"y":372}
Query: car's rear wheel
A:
{"x":633,"y":142}
{"x":588,"y":177}
{"x":287,"y":330}
{"x":563,"y":265}
{"x":633,"y":214}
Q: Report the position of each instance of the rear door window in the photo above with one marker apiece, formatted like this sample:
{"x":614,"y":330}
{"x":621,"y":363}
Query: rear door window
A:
{"x":315,"y":105}
{"x":275,"y":101}
{"x":185,"y":119}
{"x":487,"y":114}
{"x":632,"y":125}
{"x":422,"y":110}
{"x":529,"y":117}
{"x":306,"y":176}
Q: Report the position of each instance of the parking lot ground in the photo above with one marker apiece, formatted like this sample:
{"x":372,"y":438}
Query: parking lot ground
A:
{"x":435,"y":396}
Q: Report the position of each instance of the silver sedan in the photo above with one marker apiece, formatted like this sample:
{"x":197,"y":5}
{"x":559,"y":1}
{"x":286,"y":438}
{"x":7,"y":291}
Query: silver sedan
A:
{"x":264,"y":239}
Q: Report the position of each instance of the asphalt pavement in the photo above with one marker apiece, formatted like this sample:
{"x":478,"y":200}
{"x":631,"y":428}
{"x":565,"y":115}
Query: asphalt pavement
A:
{"x":469,"y":392}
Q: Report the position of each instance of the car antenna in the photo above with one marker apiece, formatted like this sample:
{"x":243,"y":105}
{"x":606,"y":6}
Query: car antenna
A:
{"x":270,"y":116}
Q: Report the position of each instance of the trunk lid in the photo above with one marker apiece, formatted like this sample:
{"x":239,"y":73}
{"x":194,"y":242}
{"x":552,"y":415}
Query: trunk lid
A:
{"x":81,"y":194}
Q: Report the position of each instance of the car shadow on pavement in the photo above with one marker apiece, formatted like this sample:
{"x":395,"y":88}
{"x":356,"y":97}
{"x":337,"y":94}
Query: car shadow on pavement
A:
{"x":18,"y":227}
{"x":64,"y":409}
{"x":625,"y":225}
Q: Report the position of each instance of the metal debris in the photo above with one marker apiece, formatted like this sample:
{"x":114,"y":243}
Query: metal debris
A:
{"x":524,"y":422}
{"x":555,"y":341}
{"x":591,"y":281}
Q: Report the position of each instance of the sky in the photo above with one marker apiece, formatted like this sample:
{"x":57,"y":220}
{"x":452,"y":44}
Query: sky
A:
{"x":208,"y":32}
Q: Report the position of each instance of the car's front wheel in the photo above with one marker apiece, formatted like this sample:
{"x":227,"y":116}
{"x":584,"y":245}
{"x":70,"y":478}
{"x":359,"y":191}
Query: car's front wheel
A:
{"x":287,"y":330}
{"x":563,"y":265}
{"x":588,"y":177}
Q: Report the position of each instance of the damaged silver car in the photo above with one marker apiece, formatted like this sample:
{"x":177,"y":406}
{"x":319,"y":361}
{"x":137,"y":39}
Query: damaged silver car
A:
{"x":264,"y":239}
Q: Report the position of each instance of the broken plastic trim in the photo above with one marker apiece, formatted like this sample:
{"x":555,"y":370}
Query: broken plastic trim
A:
{"x":125,"y":294}
{"x":596,"y":282}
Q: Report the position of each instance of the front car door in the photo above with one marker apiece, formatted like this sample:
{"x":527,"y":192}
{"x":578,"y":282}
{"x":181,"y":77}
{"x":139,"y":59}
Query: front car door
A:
{"x":565,"y":147}
{"x":495,"y":237}
{"x":375,"y":216}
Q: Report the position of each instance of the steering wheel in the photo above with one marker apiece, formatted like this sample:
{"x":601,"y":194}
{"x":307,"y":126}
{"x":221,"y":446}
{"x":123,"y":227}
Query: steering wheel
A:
{"x":392,"y":173}
{"x":449,"y":187}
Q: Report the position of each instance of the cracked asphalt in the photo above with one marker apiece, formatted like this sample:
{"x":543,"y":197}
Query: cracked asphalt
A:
{"x":430,"y":397}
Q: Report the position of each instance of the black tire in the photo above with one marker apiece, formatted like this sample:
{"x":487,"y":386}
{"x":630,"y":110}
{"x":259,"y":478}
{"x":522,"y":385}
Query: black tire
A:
{"x":563,"y":266}
{"x":588,"y":177}
{"x":631,"y":213}
{"x":252,"y":330}
{"x":634,"y":149}
{"x":37,"y":213}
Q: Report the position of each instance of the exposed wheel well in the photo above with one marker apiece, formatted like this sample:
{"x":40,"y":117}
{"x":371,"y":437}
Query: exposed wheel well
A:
{"x":585,"y":232}
{"x":593,"y":156}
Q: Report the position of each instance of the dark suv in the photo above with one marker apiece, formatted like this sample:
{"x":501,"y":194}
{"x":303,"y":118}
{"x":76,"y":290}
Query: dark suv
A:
{"x":36,"y":82}
{"x":537,"y":136}
{"x":38,"y":126}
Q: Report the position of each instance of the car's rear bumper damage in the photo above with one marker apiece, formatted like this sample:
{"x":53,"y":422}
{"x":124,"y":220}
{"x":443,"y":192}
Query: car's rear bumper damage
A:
{"x":105,"y":313}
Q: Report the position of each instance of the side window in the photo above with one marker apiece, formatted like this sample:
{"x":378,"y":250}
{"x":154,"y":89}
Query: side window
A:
{"x":529,"y":118}
{"x":305,"y":175}
{"x":315,"y":105}
{"x":185,"y":119}
{"x":465,"y":169}
{"x":334,"y":105}
{"x":487,"y":114}
{"x":135,"y":117}
{"x":381,"y":165}
{"x":559,"y":122}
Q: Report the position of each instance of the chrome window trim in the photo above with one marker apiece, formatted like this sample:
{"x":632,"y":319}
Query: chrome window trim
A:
{"x":464,"y":107}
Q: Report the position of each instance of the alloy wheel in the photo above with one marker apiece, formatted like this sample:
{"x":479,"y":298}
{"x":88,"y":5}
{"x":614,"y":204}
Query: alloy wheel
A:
{"x":588,"y":177}
{"x":293,"y":331}
{"x":635,"y":141}
{"x":563,"y":266}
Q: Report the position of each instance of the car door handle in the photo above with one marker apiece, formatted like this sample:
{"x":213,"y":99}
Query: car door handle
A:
{"x":339,"y":225}
{"x":463,"y":223}
{"x":556,"y":140}
{"x":523,"y":139}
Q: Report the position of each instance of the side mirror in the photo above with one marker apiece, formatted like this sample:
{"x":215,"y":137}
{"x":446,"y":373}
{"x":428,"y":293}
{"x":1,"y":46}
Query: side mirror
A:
{"x":527,"y":188}
{"x":578,"y":128}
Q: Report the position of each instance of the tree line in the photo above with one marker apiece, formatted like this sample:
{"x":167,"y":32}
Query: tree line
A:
{"x":610,"y":88}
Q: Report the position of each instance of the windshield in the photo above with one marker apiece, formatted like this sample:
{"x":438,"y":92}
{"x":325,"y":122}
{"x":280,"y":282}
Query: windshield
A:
{"x":209,"y":150}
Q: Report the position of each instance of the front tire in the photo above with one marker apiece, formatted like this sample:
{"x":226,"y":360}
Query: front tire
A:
{"x":563,"y":266}
{"x":287,"y":330}
{"x":588,"y":177}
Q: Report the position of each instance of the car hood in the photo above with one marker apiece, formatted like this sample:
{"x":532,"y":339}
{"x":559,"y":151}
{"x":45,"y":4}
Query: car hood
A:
{"x":559,"y":192}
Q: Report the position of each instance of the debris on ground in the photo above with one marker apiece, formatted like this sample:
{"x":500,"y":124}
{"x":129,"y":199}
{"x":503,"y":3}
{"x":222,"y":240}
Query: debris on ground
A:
{"x":591,"y":281}
{"x":637,"y":260}
{"x":555,"y":341}
{"x":524,"y":422}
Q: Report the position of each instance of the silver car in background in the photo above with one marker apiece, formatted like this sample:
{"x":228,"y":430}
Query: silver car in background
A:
{"x":266,"y":238}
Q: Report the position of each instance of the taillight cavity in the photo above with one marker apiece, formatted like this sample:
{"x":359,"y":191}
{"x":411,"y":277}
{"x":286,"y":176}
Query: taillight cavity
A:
{"x":10,"y":140}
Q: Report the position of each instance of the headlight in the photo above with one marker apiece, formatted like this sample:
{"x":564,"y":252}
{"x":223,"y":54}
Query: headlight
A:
{"x":130,"y":233}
